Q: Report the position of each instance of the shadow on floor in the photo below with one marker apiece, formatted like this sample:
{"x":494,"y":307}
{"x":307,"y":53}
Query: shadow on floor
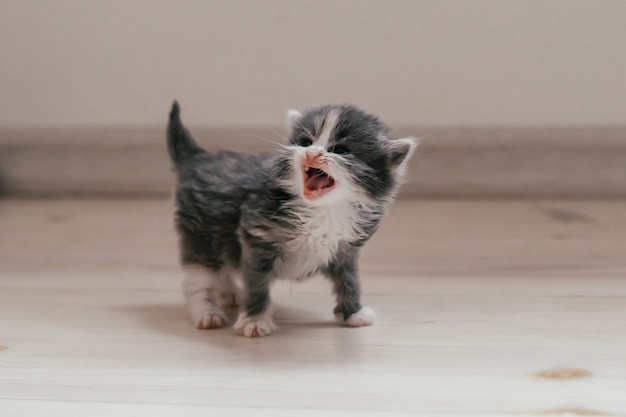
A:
{"x":302,"y":337}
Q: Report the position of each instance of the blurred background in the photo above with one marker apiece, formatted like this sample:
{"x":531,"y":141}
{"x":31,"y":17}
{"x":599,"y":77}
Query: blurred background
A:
{"x":513,"y":98}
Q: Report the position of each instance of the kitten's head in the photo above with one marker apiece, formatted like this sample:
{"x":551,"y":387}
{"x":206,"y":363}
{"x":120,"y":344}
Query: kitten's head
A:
{"x":339,"y":152}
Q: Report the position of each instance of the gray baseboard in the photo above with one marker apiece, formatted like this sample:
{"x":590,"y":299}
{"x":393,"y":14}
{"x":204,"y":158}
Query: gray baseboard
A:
{"x":452,"y":162}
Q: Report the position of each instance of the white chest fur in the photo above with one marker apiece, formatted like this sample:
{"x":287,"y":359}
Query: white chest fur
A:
{"x":323,"y":228}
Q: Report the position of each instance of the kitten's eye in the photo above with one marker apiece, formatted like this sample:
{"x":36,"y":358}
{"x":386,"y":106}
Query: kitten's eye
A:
{"x":305,"y":142}
{"x":339,"y":149}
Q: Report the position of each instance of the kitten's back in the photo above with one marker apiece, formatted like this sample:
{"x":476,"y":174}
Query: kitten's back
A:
{"x":211,"y":189}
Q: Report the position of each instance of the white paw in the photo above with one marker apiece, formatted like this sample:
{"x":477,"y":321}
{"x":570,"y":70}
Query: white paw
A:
{"x":209,"y":320}
{"x":255,"y":326}
{"x":364,"y":317}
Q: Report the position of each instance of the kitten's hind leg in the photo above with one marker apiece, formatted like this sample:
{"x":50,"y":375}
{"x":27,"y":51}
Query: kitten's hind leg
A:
{"x":200,"y":286}
{"x":230,"y":294}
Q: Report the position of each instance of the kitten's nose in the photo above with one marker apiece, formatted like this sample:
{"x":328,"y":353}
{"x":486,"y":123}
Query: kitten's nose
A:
{"x":314,"y":152}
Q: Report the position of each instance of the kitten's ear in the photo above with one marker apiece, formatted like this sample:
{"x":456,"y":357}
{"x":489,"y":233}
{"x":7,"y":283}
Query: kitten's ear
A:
{"x":292,"y":118}
{"x":400,"y":151}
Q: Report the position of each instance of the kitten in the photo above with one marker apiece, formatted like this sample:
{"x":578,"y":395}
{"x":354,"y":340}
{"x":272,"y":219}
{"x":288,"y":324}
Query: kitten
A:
{"x":306,"y":208}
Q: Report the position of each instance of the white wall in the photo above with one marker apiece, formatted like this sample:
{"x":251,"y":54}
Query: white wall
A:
{"x":478,"y":62}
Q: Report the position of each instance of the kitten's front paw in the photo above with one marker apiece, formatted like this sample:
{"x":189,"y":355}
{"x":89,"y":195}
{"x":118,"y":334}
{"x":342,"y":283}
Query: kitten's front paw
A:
{"x":255,"y":326}
{"x":364,"y":317}
{"x":209,"y":320}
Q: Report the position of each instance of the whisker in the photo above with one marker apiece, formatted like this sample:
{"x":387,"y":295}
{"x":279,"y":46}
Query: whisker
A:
{"x":280,"y":136}
{"x":266,"y":140}
{"x":332,"y":171}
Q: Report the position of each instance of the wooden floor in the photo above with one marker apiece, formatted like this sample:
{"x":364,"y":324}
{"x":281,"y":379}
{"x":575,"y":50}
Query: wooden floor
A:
{"x":483,"y":308}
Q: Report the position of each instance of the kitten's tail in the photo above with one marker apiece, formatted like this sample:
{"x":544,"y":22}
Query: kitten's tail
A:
{"x":180,"y":144}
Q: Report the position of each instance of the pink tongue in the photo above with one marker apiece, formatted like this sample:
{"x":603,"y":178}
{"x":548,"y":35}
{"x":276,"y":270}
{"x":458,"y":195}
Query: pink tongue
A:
{"x":317,"y":183}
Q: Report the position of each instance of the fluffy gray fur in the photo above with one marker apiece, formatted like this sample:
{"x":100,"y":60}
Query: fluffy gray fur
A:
{"x":248,"y":217}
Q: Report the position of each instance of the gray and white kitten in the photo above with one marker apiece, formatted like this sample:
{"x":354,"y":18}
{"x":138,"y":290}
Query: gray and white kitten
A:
{"x":247,"y":220}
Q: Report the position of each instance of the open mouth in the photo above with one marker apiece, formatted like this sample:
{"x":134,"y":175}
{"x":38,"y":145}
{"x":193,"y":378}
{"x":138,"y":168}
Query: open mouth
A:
{"x":316,"y":182}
